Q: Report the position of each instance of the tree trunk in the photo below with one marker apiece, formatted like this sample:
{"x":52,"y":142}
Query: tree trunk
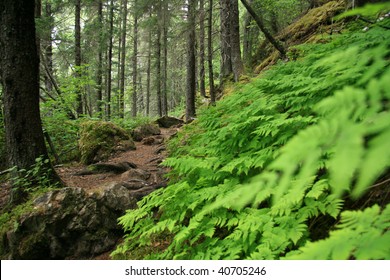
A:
{"x":158,"y":61}
{"x":226,"y":51}
{"x":19,"y":74}
{"x":123,"y":62}
{"x":202,"y":75}
{"x":191,"y":61}
{"x":164,"y":102}
{"x":135,"y":61}
{"x":263,"y":29}
{"x":99,"y":78}
{"x":38,"y":15}
{"x":237,"y":65}
{"x":109,"y":62}
{"x":250,"y":33}
{"x":140,"y":102}
{"x":148,"y":70}
{"x":48,"y":47}
{"x":77,"y":35}
{"x":210,"y":52}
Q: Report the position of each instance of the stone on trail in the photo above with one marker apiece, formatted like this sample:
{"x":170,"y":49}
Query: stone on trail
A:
{"x":168,"y":122}
{"x":135,"y":174}
{"x":98,"y":168}
{"x":145,"y":130}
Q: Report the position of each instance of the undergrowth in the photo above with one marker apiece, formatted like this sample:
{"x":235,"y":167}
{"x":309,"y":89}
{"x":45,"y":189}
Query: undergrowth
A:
{"x":251,"y":174}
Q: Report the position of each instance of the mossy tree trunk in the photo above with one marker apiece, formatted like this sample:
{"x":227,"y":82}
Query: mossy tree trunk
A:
{"x":19,"y":72}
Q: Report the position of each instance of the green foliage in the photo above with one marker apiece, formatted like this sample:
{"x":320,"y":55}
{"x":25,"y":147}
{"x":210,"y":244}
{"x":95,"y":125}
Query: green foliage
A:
{"x":38,"y":176}
{"x":31,"y":183}
{"x":368,"y":10}
{"x":58,"y":114}
{"x":64,"y":134}
{"x":252,"y":173}
{"x":366,"y":232}
{"x":132,"y":123}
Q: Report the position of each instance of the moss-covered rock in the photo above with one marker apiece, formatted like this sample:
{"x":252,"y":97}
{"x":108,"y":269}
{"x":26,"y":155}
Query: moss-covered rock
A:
{"x":168,"y":122}
{"x":99,"y":139}
{"x":311,"y":23}
{"x":144,"y":131}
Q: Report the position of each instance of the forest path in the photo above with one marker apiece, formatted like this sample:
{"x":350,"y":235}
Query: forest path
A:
{"x":146,"y":157}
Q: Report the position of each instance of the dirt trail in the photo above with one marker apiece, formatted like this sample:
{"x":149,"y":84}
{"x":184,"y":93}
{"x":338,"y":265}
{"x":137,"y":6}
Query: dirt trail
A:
{"x":146,"y":156}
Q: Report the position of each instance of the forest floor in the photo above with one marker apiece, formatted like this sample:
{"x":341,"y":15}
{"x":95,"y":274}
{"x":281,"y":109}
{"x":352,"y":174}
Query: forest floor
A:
{"x":147,"y":156}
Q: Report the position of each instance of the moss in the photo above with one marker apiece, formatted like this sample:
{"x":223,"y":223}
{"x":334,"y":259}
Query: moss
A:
{"x":100,"y":139}
{"x":311,"y":23}
{"x":314,"y":27}
{"x":9,"y":222}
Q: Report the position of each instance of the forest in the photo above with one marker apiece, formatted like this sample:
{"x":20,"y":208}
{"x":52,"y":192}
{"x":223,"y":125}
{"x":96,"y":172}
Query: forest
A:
{"x":195,"y":129}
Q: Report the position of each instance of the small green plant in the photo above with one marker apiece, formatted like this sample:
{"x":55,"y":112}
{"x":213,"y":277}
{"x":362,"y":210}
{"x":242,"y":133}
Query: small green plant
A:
{"x":38,"y":177}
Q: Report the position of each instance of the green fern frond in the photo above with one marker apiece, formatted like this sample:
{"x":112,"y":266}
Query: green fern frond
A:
{"x":361,"y":235}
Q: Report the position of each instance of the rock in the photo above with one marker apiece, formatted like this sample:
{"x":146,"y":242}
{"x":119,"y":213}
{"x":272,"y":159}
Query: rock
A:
{"x":145,"y":130}
{"x":157,"y":160}
{"x":158,"y":140}
{"x":98,"y":168}
{"x":69,"y":223}
{"x":141,"y":193}
{"x":117,"y":198}
{"x":168,"y":122}
{"x":148,"y":141}
{"x":99,"y":139}
{"x":138,"y":174}
{"x":134,"y":184}
{"x":160,"y":150}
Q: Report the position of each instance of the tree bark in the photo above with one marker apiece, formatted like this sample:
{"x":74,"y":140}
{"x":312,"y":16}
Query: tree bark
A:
{"x":202,"y":75}
{"x":263,"y":29}
{"x":226,"y":51}
{"x":148,"y":70}
{"x":48,"y":47}
{"x":123,"y":62}
{"x":99,"y":74}
{"x":79,"y":102}
{"x":237,"y":65}
{"x":191,"y":61}
{"x":109,"y":61}
{"x":158,"y":61}
{"x":210,"y":52}
{"x":164,"y":100}
{"x":135,"y":61}
{"x":19,"y":74}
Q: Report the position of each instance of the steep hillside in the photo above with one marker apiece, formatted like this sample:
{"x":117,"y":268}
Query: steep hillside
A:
{"x":293,"y":165}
